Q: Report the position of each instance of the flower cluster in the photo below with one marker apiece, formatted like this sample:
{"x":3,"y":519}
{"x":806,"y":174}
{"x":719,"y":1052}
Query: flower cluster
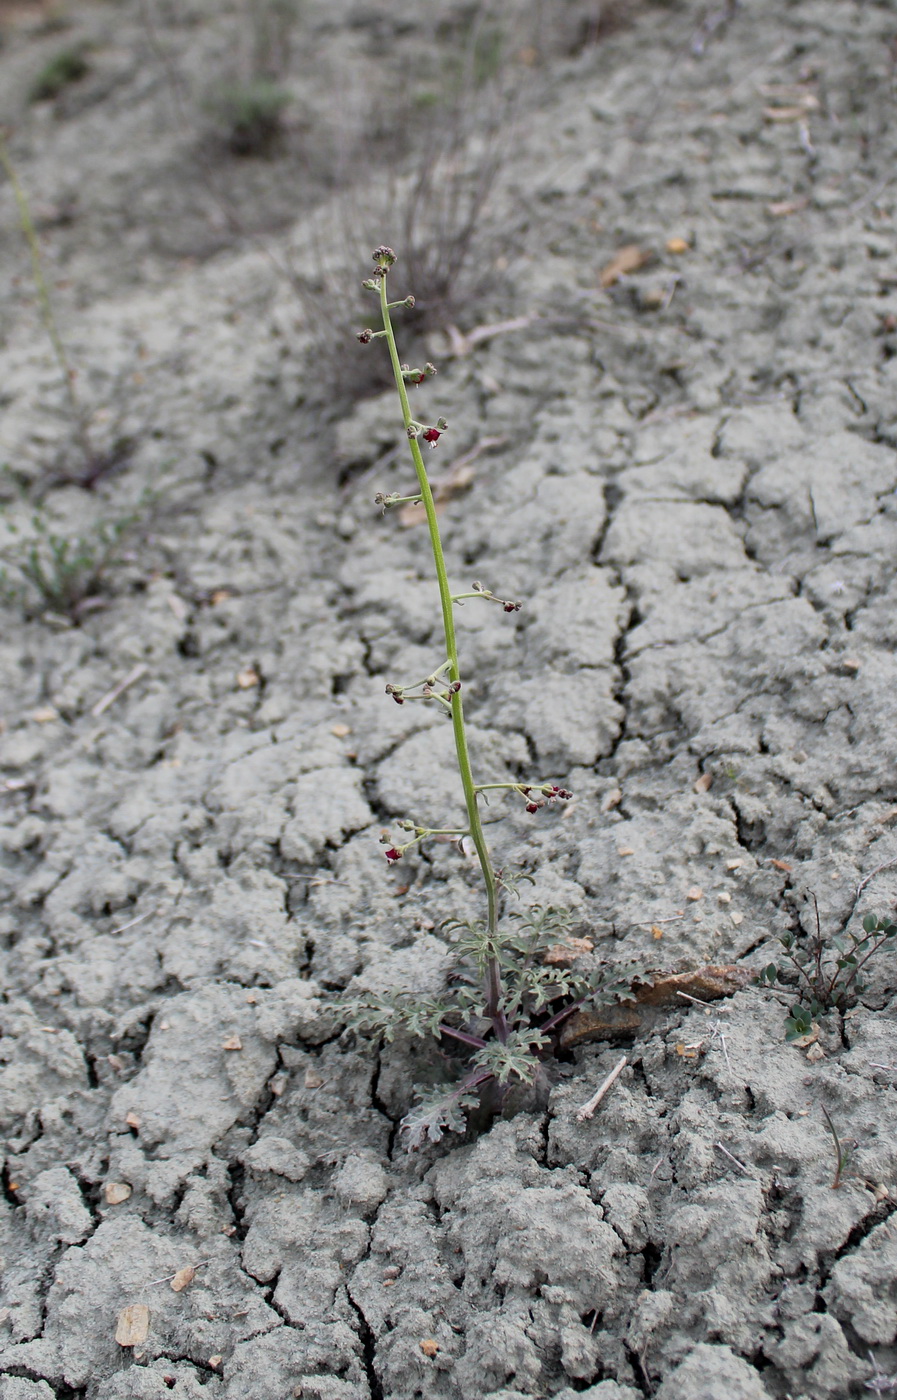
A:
{"x":417,"y":376}
{"x":417,"y":834}
{"x":427,"y":689}
{"x":547,"y":793}
{"x":509,"y":605}
{"x":429,"y":433}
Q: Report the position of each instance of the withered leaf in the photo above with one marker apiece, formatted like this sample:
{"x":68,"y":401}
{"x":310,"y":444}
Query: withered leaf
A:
{"x":625,"y":260}
{"x":648,"y":1001}
{"x":568,"y":952}
{"x":183,"y":1278}
{"x":132,"y":1328}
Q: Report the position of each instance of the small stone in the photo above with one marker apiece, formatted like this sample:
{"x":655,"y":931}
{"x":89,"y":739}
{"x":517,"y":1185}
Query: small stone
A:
{"x":737,"y":919}
{"x":45,"y":715}
{"x":312,"y":1079}
{"x":815,"y":1053}
{"x":677,"y":245}
{"x":183,"y":1278}
{"x":279,"y":1156}
{"x":247,"y":678}
{"x":215,"y":1361}
{"x":429,"y":1347}
{"x":724,"y":897}
{"x":625,"y":851}
{"x":340,"y":730}
{"x":695,"y":893}
{"x":734,"y":864}
{"x":704,"y":783}
{"x":612,"y":799}
{"x":233,"y":1042}
{"x":116,"y":1192}
{"x":132,"y":1120}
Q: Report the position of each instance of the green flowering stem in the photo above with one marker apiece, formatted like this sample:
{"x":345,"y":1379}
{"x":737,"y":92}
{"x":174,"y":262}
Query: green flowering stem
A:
{"x":455,"y":705}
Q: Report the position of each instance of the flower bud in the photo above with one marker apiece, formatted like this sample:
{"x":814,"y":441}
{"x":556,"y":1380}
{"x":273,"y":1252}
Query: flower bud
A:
{"x":511,"y":607}
{"x":370,"y":284}
{"x":384,"y":256}
{"x":454,"y":687}
{"x":441,"y":424}
{"x":430,"y":369}
{"x":409,"y":302}
{"x":530,"y":807}
{"x":412,"y":431}
{"x":365,"y":337}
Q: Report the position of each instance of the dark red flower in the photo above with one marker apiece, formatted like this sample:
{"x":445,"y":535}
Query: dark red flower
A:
{"x":432,"y":436}
{"x":393,"y":854}
{"x":530,"y":807}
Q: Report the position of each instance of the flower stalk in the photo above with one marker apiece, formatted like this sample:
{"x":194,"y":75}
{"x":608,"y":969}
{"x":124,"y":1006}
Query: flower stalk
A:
{"x":403,"y":376}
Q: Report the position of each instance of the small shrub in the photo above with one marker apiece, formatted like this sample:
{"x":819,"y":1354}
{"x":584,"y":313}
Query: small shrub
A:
{"x":67,"y":67}
{"x":62,"y":576}
{"x":93,"y":464}
{"x":435,"y":210}
{"x":826,"y":970}
{"x":249,"y":114}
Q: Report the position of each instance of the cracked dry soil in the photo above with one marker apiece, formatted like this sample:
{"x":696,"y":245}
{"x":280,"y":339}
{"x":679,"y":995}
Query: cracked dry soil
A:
{"x":694,"y":493}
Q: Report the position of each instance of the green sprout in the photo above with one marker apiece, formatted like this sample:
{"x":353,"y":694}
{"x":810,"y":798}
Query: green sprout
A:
{"x":827,"y":970}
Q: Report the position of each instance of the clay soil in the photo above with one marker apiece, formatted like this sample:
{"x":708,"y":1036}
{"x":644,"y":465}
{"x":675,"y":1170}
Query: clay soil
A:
{"x":684,"y":464}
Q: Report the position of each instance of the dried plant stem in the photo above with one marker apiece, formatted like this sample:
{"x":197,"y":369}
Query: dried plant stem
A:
{"x":589,"y":1108}
{"x":45,"y":304}
{"x":475,"y":827}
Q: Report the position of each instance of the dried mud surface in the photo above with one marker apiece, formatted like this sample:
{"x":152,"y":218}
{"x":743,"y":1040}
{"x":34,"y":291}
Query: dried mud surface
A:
{"x":695,"y":497}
